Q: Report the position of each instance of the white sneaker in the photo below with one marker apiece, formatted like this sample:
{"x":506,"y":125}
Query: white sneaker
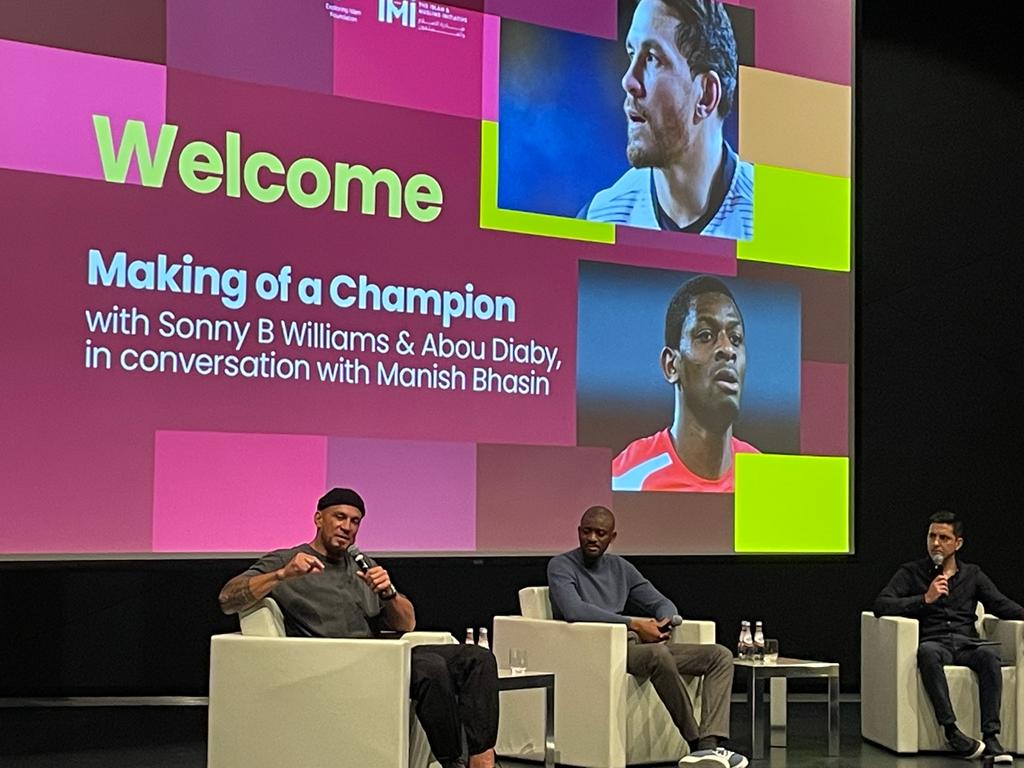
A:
{"x":703,"y":758}
{"x":718,"y":756}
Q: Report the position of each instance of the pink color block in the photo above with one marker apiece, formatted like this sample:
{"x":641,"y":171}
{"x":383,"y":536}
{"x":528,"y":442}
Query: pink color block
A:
{"x":674,"y":250}
{"x":824,"y":409}
{"x":490,"y":68}
{"x":802,"y":38}
{"x":432,"y":64}
{"x":530,"y":497}
{"x":229,"y":492}
{"x":57,"y":92}
{"x":420,"y":495}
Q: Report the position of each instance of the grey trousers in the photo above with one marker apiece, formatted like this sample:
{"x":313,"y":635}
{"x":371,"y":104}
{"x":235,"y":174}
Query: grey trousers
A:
{"x":663,"y":663}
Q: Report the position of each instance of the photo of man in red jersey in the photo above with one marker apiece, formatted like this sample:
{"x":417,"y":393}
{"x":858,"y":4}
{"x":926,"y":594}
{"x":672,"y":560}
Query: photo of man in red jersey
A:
{"x":705,"y":361}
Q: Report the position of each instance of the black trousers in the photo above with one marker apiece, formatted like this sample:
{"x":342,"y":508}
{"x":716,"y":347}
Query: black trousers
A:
{"x":983,"y":660}
{"x":455,"y":687}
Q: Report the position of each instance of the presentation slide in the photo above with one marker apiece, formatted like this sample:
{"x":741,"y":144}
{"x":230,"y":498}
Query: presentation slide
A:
{"x":489,"y":263}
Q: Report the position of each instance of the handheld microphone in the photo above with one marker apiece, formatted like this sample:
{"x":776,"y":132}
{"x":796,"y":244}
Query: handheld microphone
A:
{"x":938,"y":560}
{"x":366,"y":564}
{"x":672,"y":623}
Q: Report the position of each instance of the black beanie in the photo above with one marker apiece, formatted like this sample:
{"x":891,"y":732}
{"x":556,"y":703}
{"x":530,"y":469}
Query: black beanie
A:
{"x":337,"y":496}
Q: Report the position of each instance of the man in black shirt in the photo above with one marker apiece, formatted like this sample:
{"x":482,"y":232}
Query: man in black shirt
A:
{"x":323,"y":593}
{"x":942,"y":593}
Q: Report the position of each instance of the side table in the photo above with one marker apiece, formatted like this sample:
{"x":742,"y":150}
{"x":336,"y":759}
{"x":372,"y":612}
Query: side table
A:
{"x":546,"y":680}
{"x":757,"y":672}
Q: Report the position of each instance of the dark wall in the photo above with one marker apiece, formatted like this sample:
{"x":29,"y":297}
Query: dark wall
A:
{"x":939,"y":103}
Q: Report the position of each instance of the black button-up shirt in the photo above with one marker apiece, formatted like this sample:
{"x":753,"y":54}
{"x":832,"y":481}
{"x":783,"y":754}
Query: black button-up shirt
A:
{"x":952,"y":614}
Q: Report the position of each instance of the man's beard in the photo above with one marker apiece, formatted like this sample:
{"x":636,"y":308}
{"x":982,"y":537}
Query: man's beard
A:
{"x":656,"y":151}
{"x":647,"y":154}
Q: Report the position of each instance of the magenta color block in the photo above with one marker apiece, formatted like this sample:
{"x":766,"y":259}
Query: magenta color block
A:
{"x":489,"y":69}
{"x":808,"y":39}
{"x":591,"y":17}
{"x":50,"y":95}
{"x":530,"y":498}
{"x":273,"y":43}
{"x":126,"y":29}
{"x":419,"y":495}
{"x":676,"y":250}
{"x":658,"y":523}
{"x":222,"y":492}
{"x":824,"y":409}
{"x":433,"y":64}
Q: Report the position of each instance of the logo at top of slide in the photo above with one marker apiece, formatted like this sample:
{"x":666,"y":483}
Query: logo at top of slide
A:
{"x":423,"y":16}
{"x":388,"y":11}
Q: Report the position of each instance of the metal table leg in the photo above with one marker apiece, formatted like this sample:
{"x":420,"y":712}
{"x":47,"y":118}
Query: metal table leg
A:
{"x":758,"y":719}
{"x":777,"y":705}
{"x":549,"y":725}
{"x":833,"y":716}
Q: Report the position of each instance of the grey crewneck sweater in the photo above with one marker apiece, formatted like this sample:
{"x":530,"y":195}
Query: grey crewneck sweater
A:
{"x":602,"y":591}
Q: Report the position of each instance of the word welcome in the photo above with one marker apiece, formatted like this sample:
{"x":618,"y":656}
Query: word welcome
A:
{"x":204,"y":168}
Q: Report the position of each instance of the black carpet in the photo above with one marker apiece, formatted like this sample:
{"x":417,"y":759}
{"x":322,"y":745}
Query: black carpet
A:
{"x":175,"y":737}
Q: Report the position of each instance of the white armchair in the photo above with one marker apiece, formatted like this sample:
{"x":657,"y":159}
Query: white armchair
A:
{"x":895,"y":710}
{"x":314,"y":702}
{"x":604,"y":718}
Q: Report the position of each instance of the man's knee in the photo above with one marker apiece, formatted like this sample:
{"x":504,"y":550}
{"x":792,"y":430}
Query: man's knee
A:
{"x":480,"y":659}
{"x":428,"y":669}
{"x":721,"y":657}
{"x":988,"y":660}
{"x":658,"y":660}
{"x":930,"y":656}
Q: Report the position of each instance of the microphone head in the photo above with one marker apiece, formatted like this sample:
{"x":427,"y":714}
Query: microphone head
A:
{"x":354,"y":551}
{"x":676,"y":620}
{"x":938,"y":559}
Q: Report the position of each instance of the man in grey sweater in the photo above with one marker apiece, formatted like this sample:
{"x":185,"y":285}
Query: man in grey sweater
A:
{"x":588,"y":585}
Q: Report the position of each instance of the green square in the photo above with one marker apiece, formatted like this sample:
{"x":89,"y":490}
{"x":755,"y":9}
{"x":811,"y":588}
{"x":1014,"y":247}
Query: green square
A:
{"x":792,"y":503}
{"x":800,"y":218}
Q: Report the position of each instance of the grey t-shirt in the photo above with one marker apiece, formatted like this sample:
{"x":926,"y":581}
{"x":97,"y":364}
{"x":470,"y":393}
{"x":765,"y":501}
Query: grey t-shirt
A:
{"x":334,"y":603}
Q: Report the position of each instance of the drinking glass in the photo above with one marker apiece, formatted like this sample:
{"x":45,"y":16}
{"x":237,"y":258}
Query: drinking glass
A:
{"x":517,"y":660}
{"x":771,"y":651}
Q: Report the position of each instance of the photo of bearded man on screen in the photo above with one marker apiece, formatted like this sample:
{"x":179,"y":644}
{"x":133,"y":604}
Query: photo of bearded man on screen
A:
{"x":680,"y":86}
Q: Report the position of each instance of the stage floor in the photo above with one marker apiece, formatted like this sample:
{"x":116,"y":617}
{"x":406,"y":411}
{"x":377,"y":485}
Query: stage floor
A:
{"x":175,"y":737}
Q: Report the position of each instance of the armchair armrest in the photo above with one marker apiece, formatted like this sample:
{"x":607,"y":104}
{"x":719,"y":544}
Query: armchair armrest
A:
{"x":690,"y":631}
{"x":888,"y":663}
{"x":264,"y":619}
{"x":423,"y":637}
{"x":1009,"y":633}
{"x":589,"y":662}
{"x":273,"y":697}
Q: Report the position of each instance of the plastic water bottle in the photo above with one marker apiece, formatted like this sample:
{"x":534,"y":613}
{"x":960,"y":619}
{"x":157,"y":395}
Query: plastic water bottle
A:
{"x":469,"y":636}
{"x":745,"y":646}
{"x":482,"y":640}
{"x":758,"y":654}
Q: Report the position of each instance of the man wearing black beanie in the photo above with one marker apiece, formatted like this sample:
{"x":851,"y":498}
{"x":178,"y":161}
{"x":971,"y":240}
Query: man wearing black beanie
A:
{"x":323,"y":592}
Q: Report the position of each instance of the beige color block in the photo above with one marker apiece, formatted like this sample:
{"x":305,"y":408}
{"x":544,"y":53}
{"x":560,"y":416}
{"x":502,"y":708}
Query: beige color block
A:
{"x":795,"y":122}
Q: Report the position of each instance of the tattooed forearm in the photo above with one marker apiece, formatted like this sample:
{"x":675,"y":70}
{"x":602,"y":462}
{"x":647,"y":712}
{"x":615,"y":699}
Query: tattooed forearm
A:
{"x":236,"y":595}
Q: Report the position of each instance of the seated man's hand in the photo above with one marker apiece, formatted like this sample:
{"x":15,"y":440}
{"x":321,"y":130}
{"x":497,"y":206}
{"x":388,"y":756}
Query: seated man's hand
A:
{"x":376,"y":578}
{"x":938,"y":588}
{"x":648,"y":630}
{"x":301,"y":564}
